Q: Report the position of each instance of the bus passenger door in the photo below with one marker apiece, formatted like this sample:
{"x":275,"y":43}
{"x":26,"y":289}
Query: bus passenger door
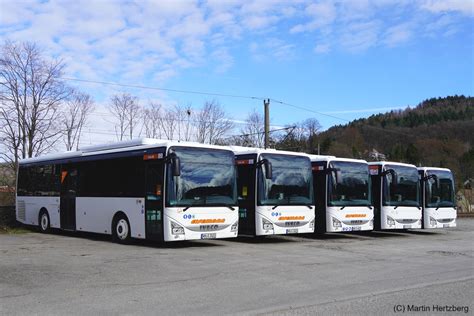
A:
{"x":68,"y":197}
{"x":246,"y":196}
{"x":154,"y":200}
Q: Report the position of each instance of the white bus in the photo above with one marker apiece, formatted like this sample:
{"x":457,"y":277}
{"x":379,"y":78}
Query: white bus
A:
{"x":146,"y":189}
{"x":395,"y":195}
{"x":437,"y":197}
{"x":274,"y":192}
{"x":342,"y":194}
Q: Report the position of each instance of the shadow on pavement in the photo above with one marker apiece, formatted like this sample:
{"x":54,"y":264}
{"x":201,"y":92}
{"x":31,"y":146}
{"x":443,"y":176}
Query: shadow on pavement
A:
{"x":138,"y":242}
{"x":424,"y":232}
{"x":274,"y":239}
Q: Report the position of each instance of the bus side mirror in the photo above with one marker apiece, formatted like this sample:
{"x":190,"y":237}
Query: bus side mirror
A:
{"x":394,"y":175}
{"x":267,"y":165}
{"x":437,"y":181}
{"x":175,"y":166}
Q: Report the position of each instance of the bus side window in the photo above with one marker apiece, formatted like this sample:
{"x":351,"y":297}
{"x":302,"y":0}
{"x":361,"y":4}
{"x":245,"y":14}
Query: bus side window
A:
{"x":24,"y":181}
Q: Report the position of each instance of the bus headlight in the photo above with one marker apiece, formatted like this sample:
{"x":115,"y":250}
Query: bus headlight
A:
{"x":336,"y":222}
{"x":177,"y":229}
{"x":234,"y":227}
{"x":267,"y":225}
{"x":311,"y":224}
{"x":432,"y":221}
{"x":390,"y":221}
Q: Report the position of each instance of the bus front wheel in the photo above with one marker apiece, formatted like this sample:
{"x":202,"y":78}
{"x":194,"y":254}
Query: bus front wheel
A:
{"x":121,"y":229}
{"x":44,"y":224}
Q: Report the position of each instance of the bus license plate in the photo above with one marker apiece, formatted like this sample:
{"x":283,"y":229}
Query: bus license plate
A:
{"x":356,"y":228}
{"x":208,"y":236}
{"x":445,"y":225}
{"x":406,"y":226}
{"x":292,"y":231}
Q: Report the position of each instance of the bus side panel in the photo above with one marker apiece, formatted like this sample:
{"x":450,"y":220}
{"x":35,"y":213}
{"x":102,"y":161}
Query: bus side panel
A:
{"x":95,"y":214}
{"x":28,"y":208}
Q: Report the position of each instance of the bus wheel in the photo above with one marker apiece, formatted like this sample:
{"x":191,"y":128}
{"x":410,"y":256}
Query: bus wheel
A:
{"x":44,"y":221}
{"x":121,"y":230}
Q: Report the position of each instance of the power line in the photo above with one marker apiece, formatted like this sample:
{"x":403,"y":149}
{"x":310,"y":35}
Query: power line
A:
{"x":336,"y":117}
{"x":164,"y":89}
{"x":225,"y":95}
{"x":258,"y":133}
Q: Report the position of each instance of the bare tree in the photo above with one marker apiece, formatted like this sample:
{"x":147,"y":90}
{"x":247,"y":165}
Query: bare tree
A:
{"x":152,"y":120}
{"x":312,"y":127}
{"x":168,"y":122}
{"x":253,"y":133}
{"x":76,"y":112}
{"x":212,"y":123}
{"x":127,"y":112}
{"x":30,"y":92}
{"x":186,"y":123}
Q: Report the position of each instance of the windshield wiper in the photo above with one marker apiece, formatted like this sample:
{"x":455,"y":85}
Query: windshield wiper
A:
{"x":274,"y":207}
{"x":192,"y":205}
{"x":224,"y":205}
{"x":187,"y":207}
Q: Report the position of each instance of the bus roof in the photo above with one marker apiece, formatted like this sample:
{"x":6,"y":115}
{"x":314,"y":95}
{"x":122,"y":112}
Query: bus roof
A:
{"x":240,"y":150}
{"x":383,"y":163}
{"x":123,"y":146}
{"x":315,"y":158}
{"x":433,"y":168}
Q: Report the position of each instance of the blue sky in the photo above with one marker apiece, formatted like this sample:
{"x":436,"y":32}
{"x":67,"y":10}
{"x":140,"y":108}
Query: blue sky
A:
{"x":348,"y":59}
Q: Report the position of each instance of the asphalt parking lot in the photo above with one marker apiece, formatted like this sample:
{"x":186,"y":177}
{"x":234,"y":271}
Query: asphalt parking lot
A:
{"x":366,"y":273}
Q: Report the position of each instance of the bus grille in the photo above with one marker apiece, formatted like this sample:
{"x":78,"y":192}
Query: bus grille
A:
{"x":445,"y":220}
{"x":356,"y":222}
{"x":21,"y":210}
{"x":406,"y":220}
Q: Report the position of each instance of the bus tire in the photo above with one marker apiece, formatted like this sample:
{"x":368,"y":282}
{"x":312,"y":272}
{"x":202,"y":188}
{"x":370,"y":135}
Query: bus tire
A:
{"x":121,"y":229}
{"x":43,"y":221}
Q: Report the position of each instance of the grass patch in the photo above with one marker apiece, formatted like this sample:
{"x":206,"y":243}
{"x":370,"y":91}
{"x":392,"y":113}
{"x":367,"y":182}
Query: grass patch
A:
{"x":14,"y":230}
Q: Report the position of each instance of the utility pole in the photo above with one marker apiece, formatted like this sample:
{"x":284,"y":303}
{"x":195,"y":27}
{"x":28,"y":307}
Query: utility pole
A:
{"x":266,"y":104}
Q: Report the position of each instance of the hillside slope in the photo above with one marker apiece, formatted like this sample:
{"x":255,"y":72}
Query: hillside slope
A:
{"x":437,"y":132}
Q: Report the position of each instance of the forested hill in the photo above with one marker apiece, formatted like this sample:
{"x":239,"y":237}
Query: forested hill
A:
{"x":437,"y":132}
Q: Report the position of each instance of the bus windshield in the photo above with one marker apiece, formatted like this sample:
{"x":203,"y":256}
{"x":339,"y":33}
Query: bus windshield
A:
{"x":406,"y":191}
{"x":442,"y":195}
{"x":291,"y":182}
{"x":353,"y":188}
{"x":208,"y":178}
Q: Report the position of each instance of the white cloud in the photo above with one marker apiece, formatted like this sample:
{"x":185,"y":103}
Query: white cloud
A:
{"x":441,"y":6}
{"x":136,"y":40}
{"x":322,"y":48}
{"x":360,"y":36}
{"x":398,"y":34}
{"x":321,"y":14}
{"x":224,"y":59}
{"x":272,"y":48}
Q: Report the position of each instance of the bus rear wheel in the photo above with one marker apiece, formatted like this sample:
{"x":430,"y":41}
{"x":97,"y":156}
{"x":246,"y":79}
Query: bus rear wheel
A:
{"x":43,"y":223}
{"x":121,"y":230}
